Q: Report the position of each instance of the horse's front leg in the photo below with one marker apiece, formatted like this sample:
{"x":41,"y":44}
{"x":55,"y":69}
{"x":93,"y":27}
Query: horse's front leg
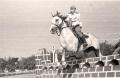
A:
{"x":56,"y":59}
{"x":63,"y":58}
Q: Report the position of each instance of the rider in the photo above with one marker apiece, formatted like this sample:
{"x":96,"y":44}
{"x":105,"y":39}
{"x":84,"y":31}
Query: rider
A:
{"x":73,"y":19}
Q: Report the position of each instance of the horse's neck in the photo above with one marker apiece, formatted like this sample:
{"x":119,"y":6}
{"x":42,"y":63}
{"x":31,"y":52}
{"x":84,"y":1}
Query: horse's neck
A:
{"x":66,"y":30}
{"x":64,"y":25}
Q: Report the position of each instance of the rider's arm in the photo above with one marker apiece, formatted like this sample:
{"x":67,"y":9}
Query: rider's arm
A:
{"x":78,"y":19}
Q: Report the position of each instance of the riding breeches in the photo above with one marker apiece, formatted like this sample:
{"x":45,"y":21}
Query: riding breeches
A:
{"x":78,"y":31}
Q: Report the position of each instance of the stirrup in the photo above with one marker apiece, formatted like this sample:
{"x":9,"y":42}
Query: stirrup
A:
{"x":85,"y":45}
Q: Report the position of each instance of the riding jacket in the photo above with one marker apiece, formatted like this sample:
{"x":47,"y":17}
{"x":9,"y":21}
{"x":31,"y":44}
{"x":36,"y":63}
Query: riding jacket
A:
{"x":74,"y":19}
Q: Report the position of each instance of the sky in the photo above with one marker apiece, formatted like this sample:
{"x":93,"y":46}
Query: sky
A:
{"x":24,"y":24}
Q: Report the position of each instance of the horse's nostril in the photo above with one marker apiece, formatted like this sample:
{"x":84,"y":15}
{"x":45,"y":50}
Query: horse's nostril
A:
{"x":52,"y":31}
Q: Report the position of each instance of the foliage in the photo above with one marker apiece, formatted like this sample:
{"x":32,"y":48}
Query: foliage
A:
{"x":27,"y":63}
{"x":2,"y":64}
{"x":106,"y":48}
{"x":13,"y":63}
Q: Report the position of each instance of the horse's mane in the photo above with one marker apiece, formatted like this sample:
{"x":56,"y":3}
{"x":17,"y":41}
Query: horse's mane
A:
{"x":63,"y":17}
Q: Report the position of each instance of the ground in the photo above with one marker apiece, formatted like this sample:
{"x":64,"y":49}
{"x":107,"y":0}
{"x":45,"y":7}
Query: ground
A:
{"x":21,"y":76}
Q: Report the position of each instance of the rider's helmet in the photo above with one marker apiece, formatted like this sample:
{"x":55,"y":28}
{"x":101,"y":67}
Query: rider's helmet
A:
{"x":72,"y":7}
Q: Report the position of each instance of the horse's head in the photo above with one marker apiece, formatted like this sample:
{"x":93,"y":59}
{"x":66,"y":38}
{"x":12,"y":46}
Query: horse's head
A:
{"x":57,"y":23}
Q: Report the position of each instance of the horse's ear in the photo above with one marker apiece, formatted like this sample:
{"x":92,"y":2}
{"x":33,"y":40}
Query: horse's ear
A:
{"x":52,"y":15}
{"x":58,"y":13}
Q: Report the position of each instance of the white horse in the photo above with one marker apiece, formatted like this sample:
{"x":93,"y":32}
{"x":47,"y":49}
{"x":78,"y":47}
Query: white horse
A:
{"x":69,"y":42}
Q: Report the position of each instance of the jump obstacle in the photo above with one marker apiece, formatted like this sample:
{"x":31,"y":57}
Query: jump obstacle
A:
{"x":96,"y":67}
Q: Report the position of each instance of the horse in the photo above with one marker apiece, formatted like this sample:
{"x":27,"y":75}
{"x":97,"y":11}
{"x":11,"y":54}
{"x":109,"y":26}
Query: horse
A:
{"x":68,"y":41}
{"x":117,"y":48}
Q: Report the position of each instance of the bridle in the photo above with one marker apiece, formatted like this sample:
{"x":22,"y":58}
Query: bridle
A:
{"x":60,"y":28}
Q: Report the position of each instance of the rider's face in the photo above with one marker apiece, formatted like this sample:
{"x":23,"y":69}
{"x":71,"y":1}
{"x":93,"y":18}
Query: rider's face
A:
{"x":72,"y":10}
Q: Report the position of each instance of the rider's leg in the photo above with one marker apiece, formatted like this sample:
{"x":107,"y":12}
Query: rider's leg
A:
{"x":78,"y":31}
{"x":80,"y":34}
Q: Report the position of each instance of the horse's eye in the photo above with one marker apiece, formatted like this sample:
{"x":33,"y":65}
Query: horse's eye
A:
{"x":57,"y":20}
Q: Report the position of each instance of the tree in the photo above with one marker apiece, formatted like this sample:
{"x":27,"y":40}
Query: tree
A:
{"x":11,"y":64}
{"x":106,"y":49}
{"x":2,"y":64}
{"x":27,"y":63}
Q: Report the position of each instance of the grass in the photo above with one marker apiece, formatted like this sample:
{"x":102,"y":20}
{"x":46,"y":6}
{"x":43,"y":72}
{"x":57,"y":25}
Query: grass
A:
{"x":21,"y":76}
{"x":14,"y":73}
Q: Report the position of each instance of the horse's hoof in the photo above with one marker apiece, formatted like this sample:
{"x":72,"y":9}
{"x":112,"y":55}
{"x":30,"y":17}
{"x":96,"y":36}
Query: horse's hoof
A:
{"x":63,"y":63}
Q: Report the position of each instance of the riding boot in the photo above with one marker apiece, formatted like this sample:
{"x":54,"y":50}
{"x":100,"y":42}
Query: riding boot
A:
{"x":80,"y":35}
{"x":84,"y":41}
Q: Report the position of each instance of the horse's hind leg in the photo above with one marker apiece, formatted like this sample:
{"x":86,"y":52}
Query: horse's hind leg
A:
{"x":96,"y":52}
{"x":100,"y":53}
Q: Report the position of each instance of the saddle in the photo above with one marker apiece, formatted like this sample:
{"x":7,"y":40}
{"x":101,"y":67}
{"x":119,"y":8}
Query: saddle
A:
{"x":80,"y":40}
{"x":77,"y":36}
{"x":73,"y":30}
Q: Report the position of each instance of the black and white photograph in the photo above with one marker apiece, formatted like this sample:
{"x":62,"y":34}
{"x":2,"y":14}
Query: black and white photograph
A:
{"x":59,"y":38}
